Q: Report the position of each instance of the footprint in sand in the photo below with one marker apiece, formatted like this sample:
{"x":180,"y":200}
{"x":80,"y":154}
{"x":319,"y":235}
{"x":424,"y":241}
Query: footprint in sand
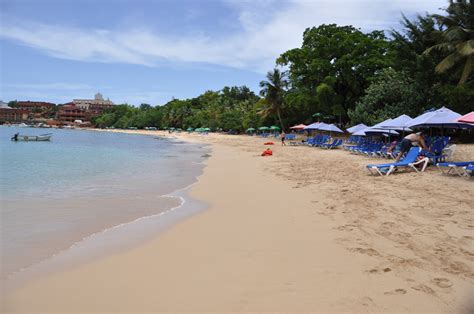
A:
{"x":346,"y":228}
{"x":442,"y":282}
{"x":396,"y":291}
{"x":379,"y":271}
{"x":370,"y":252}
{"x":424,"y":288}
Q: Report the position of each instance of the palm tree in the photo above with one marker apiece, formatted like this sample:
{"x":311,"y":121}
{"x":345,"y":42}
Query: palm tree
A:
{"x":458,"y":37}
{"x":274,"y":90}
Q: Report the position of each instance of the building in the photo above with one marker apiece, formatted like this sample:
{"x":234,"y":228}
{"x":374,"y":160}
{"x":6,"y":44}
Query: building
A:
{"x":94,"y":106}
{"x":36,"y":109}
{"x":69,"y":113}
{"x":34,"y":106}
{"x":8,"y":114}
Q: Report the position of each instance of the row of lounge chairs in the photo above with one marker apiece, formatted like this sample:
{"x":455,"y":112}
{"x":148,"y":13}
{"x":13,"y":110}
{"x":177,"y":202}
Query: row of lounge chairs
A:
{"x":460,"y":168}
{"x":416,"y":158}
{"x":419,"y":159}
{"x":438,"y":149}
{"x":324,"y":141}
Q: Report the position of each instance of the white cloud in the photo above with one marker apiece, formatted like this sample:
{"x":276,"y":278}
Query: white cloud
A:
{"x":267,"y":28}
{"x":49,"y":86}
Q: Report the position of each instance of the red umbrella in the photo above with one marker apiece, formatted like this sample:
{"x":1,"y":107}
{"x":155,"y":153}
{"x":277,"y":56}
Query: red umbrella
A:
{"x":469,"y":118}
{"x":298,"y":127}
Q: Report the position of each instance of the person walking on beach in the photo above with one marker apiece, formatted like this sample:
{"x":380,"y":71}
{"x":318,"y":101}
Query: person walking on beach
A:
{"x":283,"y":136}
{"x":408,"y":141}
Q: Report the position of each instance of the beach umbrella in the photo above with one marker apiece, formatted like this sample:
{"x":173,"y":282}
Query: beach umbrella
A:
{"x":399,"y":123}
{"x":250,"y":130}
{"x":275,"y":128}
{"x":356,"y":128}
{"x":263,"y":128}
{"x":207,"y":129}
{"x":313,"y":126}
{"x":189,"y":129}
{"x":374,"y":131}
{"x":329,"y":128}
{"x":441,"y":118}
{"x":298,"y":127}
{"x":382,"y":124}
{"x":468,"y":118}
{"x":317,"y":115}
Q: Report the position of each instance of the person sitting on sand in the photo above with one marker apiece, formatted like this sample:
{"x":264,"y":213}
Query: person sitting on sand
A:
{"x":283,"y":137}
{"x":407,"y":143}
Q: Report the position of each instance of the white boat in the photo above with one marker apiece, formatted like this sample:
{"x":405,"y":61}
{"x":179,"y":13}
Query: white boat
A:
{"x":31,"y":138}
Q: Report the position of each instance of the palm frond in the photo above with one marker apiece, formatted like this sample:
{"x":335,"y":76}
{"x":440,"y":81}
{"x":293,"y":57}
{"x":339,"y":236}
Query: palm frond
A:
{"x":468,"y":68}
{"x":442,"y":47}
{"x":466,"y":48}
{"x":448,"y":62}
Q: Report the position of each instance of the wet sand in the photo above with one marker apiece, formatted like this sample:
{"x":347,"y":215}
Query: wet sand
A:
{"x":304,"y":230}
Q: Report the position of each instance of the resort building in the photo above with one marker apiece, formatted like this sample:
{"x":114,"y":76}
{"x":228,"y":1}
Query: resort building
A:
{"x":34,"y":106}
{"x":94,"y":106}
{"x":36,"y":109}
{"x":70,"y":113}
{"x":8,"y":114}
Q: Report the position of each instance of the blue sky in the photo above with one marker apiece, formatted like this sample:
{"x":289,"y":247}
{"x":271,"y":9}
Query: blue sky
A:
{"x":148,"y":51}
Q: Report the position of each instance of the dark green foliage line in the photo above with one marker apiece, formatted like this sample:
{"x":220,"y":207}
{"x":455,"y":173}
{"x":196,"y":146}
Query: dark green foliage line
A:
{"x":340,"y":75}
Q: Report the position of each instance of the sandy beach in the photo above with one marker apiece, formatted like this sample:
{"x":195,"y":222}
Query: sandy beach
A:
{"x":306,"y":229}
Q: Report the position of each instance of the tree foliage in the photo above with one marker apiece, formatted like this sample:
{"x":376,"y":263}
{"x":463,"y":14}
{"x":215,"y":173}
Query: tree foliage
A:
{"x":333,"y":67}
{"x":344,"y":74}
{"x":457,"y":39}
{"x":389,"y":87}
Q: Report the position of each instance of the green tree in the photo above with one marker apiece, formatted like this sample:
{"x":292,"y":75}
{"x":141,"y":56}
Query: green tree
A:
{"x":273,"y":90}
{"x":391,"y":94}
{"x":457,"y":39}
{"x":333,"y":67}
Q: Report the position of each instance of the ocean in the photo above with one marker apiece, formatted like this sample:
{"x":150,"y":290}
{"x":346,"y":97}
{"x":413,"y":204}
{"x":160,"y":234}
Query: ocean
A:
{"x":88,"y":192}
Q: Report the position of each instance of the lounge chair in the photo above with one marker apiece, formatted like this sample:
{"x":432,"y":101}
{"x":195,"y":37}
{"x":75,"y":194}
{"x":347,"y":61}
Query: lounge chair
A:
{"x":410,"y":160}
{"x":460,"y":167}
{"x":470,"y":170}
{"x":335,"y":143}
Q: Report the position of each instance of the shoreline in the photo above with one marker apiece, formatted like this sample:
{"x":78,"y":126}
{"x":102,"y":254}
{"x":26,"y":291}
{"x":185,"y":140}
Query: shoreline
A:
{"x":110,"y":240}
{"x":287,"y":233}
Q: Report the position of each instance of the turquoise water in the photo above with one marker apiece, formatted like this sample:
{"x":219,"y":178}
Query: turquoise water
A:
{"x":54,"y":194}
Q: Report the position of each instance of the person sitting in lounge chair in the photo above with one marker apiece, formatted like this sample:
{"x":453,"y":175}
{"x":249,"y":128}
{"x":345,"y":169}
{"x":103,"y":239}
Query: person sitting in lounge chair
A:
{"x":408,"y":141}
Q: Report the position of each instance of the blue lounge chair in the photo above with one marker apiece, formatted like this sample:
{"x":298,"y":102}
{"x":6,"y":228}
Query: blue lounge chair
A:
{"x":410,"y":160}
{"x":470,"y":170}
{"x":460,"y":167}
{"x":334,"y":144}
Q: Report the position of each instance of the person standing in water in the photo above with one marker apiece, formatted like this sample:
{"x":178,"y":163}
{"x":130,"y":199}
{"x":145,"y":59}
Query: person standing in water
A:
{"x":408,"y":141}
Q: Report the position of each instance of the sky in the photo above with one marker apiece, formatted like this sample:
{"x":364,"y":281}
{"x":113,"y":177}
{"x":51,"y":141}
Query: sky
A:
{"x":151,"y":51}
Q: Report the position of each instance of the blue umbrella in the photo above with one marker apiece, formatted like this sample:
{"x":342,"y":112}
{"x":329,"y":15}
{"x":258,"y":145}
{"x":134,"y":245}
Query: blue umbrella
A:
{"x":382,"y":124}
{"x":356,"y":128}
{"x":399,"y":123}
{"x":329,"y":128}
{"x":442,"y":118}
{"x":313,"y":126}
{"x":372,"y":130}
